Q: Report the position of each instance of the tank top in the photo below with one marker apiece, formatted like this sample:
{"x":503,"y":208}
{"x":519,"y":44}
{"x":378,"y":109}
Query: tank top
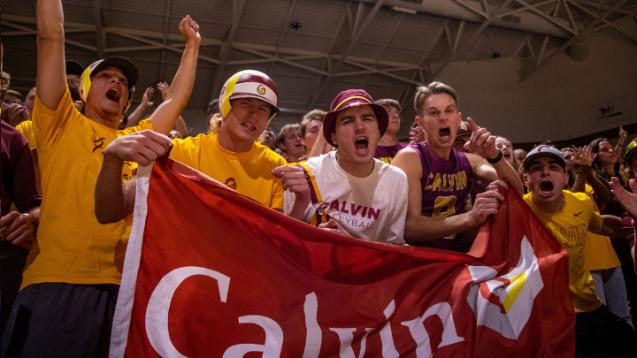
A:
{"x":446,"y":188}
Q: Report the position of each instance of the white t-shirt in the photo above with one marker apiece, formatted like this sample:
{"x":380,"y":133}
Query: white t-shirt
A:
{"x":371,"y":208}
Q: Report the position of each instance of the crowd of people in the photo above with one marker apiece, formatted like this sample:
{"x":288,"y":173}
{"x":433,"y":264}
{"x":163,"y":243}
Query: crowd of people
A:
{"x":70,"y":150}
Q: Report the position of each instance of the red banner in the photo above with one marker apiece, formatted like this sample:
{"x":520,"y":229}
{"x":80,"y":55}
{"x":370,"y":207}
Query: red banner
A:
{"x":211,"y":273}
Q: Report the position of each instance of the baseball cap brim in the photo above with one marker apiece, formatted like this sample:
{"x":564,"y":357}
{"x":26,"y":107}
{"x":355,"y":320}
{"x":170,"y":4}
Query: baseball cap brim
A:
{"x":533,"y":154}
{"x":126,"y":66}
{"x":329,"y":123}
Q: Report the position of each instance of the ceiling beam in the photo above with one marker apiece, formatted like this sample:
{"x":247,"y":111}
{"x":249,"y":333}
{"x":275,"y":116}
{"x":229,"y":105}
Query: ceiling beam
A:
{"x":100,"y":36}
{"x":359,"y":30}
{"x":606,"y":22}
{"x":283,"y":32}
{"x":586,"y":32}
{"x":224,"y":52}
{"x":166,"y":22}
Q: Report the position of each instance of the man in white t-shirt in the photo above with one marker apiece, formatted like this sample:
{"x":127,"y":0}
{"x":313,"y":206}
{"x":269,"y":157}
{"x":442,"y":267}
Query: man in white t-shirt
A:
{"x":347,"y":189}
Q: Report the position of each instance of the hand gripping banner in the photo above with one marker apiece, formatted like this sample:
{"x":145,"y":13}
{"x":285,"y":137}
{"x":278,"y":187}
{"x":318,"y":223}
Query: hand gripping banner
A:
{"x":211,"y":273}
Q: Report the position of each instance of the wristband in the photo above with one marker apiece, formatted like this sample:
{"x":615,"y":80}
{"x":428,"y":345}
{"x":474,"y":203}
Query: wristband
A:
{"x":496,"y":159}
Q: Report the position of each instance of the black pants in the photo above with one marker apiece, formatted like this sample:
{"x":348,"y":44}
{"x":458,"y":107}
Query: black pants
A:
{"x":601,"y":333}
{"x":12,"y":259}
{"x":60,"y":320}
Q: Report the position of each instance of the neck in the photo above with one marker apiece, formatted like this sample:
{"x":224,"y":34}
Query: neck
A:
{"x":609,"y":168}
{"x":355,"y":169}
{"x":549,"y":206}
{"x":228,"y":142}
{"x":293,"y":158}
{"x":387,"y":140}
{"x":112,"y":121}
{"x":442,"y":153}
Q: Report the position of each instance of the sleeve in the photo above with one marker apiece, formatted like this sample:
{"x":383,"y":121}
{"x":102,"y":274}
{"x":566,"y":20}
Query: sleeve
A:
{"x":143,"y":124}
{"x":277,"y":202}
{"x":49,"y":124}
{"x":26,"y":192}
{"x":396,"y":234}
{"x":185,"y":151}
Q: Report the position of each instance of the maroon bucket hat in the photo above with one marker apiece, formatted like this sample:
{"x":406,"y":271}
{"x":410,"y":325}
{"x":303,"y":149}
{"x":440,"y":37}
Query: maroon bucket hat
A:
{"x":348,"y":99}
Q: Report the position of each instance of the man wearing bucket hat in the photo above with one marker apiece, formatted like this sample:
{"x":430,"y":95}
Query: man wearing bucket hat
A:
{"x":569,"y":216}
{"x":347,"y":189}
{"x":72,"y":273}
{"x":441,"y":178}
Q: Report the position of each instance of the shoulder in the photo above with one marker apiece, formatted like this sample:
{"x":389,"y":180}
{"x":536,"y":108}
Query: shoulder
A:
{"x":577,"y":197}
{"x":270,"y":156}
{"x":191,"y":141}
{"x":390,"y":171}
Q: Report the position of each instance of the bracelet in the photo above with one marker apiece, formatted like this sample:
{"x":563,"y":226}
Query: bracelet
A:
{"x":496,"y":159}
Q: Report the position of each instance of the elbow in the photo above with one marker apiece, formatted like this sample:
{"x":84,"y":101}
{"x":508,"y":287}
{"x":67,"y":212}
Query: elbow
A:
{"x":50,"y":32}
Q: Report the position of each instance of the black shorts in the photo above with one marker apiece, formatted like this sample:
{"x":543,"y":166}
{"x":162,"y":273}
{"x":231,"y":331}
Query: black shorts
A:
{"x":60,"y":320}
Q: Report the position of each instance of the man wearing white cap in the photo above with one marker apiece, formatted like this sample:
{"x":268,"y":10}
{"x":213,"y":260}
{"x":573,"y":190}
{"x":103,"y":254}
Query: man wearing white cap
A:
{"x":230,"y":155}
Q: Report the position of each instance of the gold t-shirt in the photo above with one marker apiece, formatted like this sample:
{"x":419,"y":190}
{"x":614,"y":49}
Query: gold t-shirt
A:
{"x":249,"y":173}
{"x":570,"y":227}
{"x":26,"y":128}
{"x":71,"y":246}
{"x":599,"y":253}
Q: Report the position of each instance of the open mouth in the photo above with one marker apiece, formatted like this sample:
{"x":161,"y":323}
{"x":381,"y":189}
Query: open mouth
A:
{"x":113,"y":95}
{"x":444,"y":132}
{"x":546,"y":187}
{"x":361,"y":143}
{"x":249,"y":126}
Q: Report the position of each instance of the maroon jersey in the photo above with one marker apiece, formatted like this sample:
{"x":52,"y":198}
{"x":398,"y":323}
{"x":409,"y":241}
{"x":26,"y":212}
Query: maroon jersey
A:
{"x":446,"y":188}
{"x":387,"y":154}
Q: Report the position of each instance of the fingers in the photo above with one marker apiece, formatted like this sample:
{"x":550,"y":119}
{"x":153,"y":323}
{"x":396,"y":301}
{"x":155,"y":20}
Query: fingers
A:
{"x":472,"y":125}
{"x":498,"y":184}
{"x":20,"y":228}
{"x":633,"y":185}
{"x":331,"y":224}
{"x":292,"y":178}
{"x":142,"y":147}
{"x":490,"y":194}
{"x":6,"y":221}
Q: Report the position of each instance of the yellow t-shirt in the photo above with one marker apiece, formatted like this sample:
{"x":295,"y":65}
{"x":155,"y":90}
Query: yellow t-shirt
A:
{"x":570,"y":226}
{"x":599,"y":253}
{"x":26,"y":128}
{"x":249,"y":173}
{"x":71,"y":246}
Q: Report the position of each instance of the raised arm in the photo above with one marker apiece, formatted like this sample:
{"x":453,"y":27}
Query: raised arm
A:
{"x":51,"y":71}
{"x":482,"y":143}
{"x":166,"y":114}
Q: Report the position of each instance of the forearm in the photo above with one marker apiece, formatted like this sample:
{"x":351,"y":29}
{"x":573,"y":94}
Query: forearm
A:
{"x":137,"y":114}
{"x":508,"y":174}
{"x":111,"y":204}
{"x":166,"y":115}
{"x":419,"y":228}
{"x":579,"y":184}
{"x":51,"y":74}
{"x":603,"y":194}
